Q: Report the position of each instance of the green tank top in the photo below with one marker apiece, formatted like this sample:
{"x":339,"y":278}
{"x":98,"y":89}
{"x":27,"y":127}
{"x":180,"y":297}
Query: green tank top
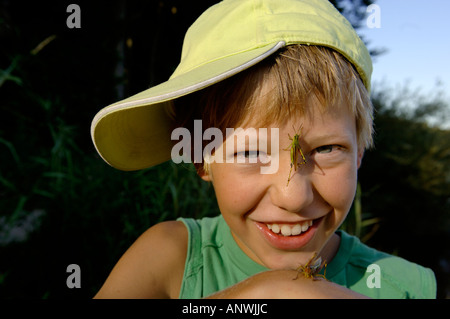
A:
{"x":214,"y":262}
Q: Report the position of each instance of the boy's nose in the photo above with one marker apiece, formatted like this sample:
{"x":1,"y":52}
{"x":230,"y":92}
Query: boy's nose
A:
{"x":296,"y":195}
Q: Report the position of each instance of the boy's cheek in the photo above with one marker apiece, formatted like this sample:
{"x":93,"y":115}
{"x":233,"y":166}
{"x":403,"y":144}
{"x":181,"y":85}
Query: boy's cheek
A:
{"x":340,"y":190}
{"x":235,"y":197}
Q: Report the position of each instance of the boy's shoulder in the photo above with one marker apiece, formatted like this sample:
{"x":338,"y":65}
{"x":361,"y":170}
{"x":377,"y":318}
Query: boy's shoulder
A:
{"x":147,"y":270}
{"x":378,"y":274}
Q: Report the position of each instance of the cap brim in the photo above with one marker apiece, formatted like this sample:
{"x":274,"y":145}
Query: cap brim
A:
{"x":135,"y":133}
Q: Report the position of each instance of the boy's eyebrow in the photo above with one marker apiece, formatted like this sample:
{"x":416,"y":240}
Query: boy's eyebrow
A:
{"x":252,"y":135}
{"x":328,"y":137}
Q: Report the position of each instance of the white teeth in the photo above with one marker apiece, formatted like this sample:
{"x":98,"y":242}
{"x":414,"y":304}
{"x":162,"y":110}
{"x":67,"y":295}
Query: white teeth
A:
{"x":305,"y":226}
{"x":296,"y":230}
{"x":286,"y":230}
{"x":289,"y":229}
{"x":275,"y":228}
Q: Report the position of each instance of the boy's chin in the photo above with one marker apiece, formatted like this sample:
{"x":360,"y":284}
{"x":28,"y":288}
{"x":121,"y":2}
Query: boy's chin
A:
{"x":287,"y":261}
{"x":324,"y":245}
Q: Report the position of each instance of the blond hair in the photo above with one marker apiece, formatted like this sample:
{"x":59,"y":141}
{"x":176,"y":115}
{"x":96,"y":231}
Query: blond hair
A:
{"x":295,"y":73}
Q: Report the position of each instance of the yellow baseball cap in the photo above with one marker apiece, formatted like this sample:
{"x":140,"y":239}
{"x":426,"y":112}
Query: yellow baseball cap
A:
{"x":226,"y":39}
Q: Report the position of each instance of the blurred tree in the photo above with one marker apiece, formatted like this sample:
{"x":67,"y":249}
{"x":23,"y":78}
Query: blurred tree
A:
{"x":353,"y":10}
{"x":405,"y":179}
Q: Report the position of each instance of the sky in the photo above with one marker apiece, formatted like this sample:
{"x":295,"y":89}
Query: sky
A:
{"x":415,"y":34}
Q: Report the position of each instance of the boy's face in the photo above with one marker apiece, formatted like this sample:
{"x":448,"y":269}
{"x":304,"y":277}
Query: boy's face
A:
{"x":319,"y":193}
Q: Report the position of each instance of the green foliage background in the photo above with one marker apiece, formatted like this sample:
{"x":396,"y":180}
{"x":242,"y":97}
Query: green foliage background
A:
{"x":61,"y":204}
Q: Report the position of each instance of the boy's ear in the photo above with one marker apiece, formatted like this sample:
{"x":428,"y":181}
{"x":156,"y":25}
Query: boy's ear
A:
{"x":204,"y":173}
{"x":204,"y":176}
{"x":359,"y":158}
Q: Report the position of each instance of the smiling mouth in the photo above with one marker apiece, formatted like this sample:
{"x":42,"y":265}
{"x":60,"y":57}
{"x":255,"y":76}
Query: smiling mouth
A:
{"x":289,"y":236}
{"x":290,"y":229}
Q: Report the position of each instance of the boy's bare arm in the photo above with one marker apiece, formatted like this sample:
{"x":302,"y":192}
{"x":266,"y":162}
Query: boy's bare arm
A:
{"x":280,"y":284}
{"x":152,"y":267}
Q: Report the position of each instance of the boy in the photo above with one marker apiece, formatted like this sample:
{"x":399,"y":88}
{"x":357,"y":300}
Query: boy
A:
{"x":298,"y":70}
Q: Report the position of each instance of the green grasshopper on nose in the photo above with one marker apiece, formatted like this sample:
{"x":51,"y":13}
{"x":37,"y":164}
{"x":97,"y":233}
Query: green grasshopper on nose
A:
{"x":295,"y":151}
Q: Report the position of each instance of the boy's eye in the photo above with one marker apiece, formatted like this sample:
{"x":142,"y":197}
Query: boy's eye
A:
{"x":325,"y":149}
{"x":251,"y":157}
{"x":248,"y":154}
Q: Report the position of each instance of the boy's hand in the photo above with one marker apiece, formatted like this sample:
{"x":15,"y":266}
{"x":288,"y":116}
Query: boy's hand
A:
{"x":280,"y":284}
